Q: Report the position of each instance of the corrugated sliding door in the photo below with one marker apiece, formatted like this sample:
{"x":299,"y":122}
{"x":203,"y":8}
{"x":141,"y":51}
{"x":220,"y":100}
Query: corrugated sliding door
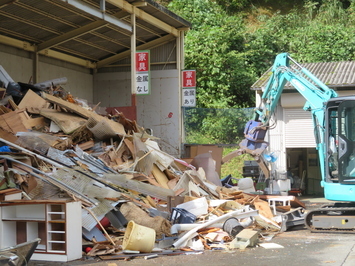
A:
{"x":299,"y":132}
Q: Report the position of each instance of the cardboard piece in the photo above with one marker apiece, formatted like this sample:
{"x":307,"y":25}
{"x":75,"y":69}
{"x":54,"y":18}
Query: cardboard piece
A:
{"x":206,"y":161}
{"x":215,"y":151}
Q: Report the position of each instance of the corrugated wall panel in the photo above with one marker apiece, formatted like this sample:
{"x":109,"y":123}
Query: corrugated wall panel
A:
{"x":299,"y":129}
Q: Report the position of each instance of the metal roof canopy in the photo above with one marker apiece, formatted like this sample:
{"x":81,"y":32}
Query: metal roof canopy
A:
{"x":90,"y":33}
{"x":333,"y":74}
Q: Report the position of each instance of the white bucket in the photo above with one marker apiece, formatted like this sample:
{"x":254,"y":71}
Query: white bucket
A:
{"x":138,"y":237}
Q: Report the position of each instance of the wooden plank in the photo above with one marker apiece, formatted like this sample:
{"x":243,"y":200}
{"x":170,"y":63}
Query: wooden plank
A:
{"x":4,"y":109}
{"x":67,"y":122}
{"x":130,"y":146}
{"x":68,"y":105}
{"x":36,"y":122}
{"x":86,"y":145}
{"x":7,"y":135}
{"x":33,"y":102}
{"x":13,"y":104}
{"x":263,"y":208}
{"x":117,"y":127}
{"x":160,"y":177}
{"x":295,"y":203}
{"x":24,"y":117}
{"x":21,"y":232}
{"x":13,"y":122}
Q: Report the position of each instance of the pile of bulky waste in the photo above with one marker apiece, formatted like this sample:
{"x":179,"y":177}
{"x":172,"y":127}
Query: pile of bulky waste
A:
{"x":135,"y":200}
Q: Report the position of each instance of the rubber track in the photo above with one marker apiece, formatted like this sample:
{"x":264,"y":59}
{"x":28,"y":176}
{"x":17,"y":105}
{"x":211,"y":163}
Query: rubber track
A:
{"x":324,"y":210}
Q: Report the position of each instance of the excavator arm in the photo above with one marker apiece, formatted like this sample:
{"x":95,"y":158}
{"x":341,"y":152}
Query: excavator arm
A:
{"x":310,"y":87}
{"x":334,"y":129}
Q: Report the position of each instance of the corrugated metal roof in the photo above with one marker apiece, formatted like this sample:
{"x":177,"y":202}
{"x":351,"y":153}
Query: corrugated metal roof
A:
{"x":85,"y":29}
{"x":333,"y":74}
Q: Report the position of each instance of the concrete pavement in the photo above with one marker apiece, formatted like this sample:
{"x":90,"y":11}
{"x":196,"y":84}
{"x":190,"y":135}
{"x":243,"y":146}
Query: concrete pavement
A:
{"x":298,"y":247}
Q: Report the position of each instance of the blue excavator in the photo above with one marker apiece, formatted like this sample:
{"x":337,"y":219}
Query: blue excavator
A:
{"x":334,"y":129}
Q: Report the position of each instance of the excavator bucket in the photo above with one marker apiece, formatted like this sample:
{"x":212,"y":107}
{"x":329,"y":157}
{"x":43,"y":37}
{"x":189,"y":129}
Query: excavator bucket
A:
{"x":253,"y":144}
{"x":256,"y":154}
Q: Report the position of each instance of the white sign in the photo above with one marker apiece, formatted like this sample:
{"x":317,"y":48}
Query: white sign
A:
{"x":142,"y":83}
{"x":189,"y":97}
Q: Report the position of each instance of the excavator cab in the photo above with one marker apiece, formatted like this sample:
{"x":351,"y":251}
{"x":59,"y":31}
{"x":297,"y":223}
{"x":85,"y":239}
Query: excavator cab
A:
{"x":341,"y":145}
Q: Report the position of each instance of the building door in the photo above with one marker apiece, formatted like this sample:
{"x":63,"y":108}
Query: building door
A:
{"x":303,"y":166}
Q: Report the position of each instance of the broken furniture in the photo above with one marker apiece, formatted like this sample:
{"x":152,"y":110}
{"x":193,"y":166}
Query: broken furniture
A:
{"x":57,"y":223}
{"x":273,"y":202}
{"x":247,"y":237}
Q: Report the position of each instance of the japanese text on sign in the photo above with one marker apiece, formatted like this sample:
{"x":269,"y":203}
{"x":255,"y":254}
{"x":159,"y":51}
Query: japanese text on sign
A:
{"x":142,"y":61}
{"x":142,"y":72}
{"x":189,"y":97}
{"x":188,"y":78}
{"x":188,"y":88}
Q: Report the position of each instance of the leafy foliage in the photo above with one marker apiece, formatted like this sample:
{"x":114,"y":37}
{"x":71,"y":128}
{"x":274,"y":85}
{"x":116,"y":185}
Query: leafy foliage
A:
{"x":233,"y":42}
{"x":214,"y":47}
{"x":215,"y":126}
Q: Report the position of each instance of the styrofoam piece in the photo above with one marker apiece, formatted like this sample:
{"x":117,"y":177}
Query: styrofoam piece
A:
{"x":197,"y":207}
{"x":281,"y":185}
{"x":246,"y":184}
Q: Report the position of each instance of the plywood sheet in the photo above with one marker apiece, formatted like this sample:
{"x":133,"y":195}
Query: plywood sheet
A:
{"x":68,"y":105}
{"x":7,"y":135}
{"x":160,"y":177}
{"x":117,"y":127}
{"x":33,"y":102}
{"x":67,"y":122}
{"x":12,"y":122}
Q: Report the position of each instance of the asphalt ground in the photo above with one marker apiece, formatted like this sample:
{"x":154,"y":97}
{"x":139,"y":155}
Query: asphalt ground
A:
{"x":297,"y":246}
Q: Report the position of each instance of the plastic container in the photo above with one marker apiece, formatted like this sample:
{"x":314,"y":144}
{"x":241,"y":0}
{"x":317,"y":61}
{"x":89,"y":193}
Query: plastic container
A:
{"x":182,"y":216}
{"x":232,"y":227}
{"x":138,"y":237}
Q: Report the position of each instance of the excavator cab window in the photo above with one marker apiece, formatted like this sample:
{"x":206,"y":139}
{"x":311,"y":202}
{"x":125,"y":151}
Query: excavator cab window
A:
{"x":333,"y":146}
{"x":346,"y":131}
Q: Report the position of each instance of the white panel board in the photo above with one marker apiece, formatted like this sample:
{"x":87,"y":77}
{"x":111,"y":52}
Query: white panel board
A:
{"x":113,"y":89}
{"x":299,"y":130}
{"x":19,"y":66}
{"x":80,"y":84}
{"x":160,"y":110}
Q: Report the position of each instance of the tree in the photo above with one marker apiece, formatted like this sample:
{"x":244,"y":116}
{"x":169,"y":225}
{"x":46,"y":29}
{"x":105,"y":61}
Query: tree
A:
{"x":214,"y":47}
{"x":233,"y":42}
